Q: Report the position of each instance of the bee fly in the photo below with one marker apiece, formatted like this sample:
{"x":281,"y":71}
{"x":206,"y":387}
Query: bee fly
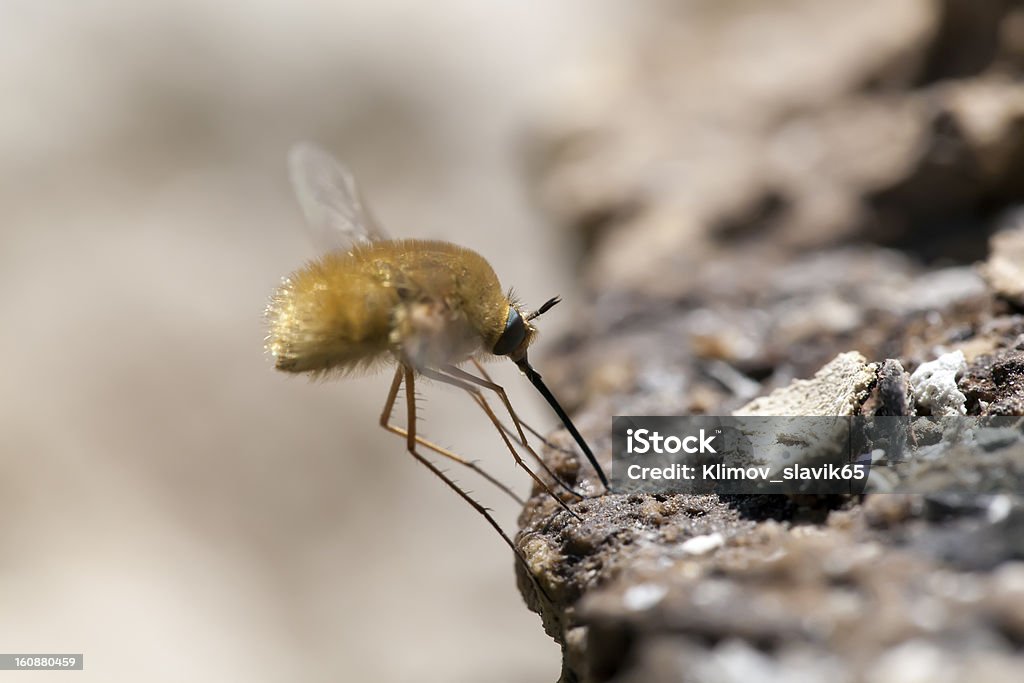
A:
{"x":427,"y":306}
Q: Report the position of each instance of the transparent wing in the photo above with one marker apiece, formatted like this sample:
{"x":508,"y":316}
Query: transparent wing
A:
{"x":336,"y":214}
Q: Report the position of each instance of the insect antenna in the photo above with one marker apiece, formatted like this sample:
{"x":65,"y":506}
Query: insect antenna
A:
{"x":548,"y":305}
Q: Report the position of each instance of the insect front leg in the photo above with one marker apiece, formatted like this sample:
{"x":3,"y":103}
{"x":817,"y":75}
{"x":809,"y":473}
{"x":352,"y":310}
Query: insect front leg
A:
{"x":526,"y":425}
{"x":500,"y":391}
{"x":478,"y":397}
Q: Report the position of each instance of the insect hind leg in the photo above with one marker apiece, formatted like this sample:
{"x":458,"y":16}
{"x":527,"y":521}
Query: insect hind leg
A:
{"x":412,"y":438}
{"x":406,"y":374}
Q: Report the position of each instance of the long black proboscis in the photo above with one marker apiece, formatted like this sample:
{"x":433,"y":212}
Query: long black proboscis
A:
{"x":537,"y":382}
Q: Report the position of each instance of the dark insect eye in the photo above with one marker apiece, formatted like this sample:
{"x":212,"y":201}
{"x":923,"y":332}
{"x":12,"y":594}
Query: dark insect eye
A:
{"x":513,"y":336}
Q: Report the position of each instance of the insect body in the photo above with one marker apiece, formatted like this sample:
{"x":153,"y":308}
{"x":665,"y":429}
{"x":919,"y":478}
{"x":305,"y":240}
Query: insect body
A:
{"x":427,"y":303}
{"x":427,"y":306}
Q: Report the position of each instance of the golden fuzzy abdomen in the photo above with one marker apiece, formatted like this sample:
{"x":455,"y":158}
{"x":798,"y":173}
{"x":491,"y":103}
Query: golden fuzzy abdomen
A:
{"x":333,"y":314}
{"x":426,"y":303}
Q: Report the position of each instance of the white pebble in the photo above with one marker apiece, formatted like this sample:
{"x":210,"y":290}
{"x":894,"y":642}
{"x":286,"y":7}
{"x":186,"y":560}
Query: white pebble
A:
{"x":934,"y":385}
{"x":700,"y":545}
{"x":999,"y":509}
{"x":643,"y":596}
{"x":914,"y":661}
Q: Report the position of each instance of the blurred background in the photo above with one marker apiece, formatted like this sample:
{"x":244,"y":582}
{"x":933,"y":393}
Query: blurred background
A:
{"x":172,"y":508}
{"x":176,"y":510}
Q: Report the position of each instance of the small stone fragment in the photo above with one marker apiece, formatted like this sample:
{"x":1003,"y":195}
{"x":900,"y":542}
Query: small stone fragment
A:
{"x":916,"y":661}
{"x":643,"y":596}
{"x":889,"y":510}
{"x":892,"y":395}
{"x":701,"y":545}
{"x":934,"y":385}
{"x":1007,"y":599}
{"x":1004,"y":269}
{"x":837,"y":389}
{"x":994,"y":383}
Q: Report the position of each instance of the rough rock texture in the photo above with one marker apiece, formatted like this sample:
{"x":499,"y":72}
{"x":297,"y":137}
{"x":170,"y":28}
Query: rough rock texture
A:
{"x":804,"y":124}
{"x":839,"y":388}
{"x":994,"y":383}
{"x":934,"y":384}
{"x":769,"y":192}
{"x":1004,"y":270}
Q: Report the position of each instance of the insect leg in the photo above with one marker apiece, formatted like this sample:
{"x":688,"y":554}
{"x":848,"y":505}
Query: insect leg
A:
{"x":410,"y":403}
{"x":500,"y":391}
{"x":385,"y":419}
{"x":526,"y":425}
{"x":478,"y":396}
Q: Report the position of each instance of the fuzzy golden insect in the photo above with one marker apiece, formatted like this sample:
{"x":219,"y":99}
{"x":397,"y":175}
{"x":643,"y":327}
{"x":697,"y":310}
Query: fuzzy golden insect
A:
{"x":426,"y":306}
{"x":424,"y":303}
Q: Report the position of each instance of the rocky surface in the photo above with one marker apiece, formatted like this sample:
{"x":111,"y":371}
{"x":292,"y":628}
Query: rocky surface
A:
{"x":778,"y":229}
{"x":839,"y":388}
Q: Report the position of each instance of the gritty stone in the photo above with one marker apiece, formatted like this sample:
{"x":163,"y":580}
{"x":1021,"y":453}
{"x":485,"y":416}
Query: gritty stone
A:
{"x":994,"y":383}
{"x":1007,"y":599}
{"x":891,"y":510}
{"x":747,"y":224}
{"x":935,"y":388}
{"x":940,"y":289}
{"x":1004,"y":269}
{"x":995,"y":439}
{"x":837,"y":389}
{"x":891,"y":395}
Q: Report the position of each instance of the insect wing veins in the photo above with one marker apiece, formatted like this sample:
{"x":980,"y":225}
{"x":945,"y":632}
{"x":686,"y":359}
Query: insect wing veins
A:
{"x":335,"y":212}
